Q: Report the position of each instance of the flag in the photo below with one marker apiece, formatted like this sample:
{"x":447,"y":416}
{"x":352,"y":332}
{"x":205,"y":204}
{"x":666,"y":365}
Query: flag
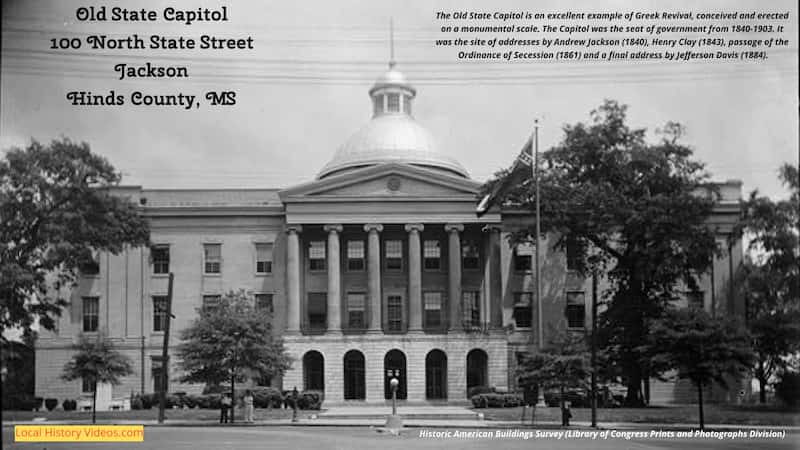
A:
{"x":521,"y":167}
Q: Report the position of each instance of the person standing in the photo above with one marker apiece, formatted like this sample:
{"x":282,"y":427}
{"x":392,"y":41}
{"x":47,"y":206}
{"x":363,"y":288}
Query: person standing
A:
{"x":225,"y":406}
{"x":248,"y":406}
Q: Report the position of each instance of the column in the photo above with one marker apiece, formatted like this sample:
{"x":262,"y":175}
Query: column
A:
{"x":454,"y":273}
{"x":334,"y":279}
{"x":293,"y":279}
{"x":374,"y":274}
{"x":491,"y":309}
{"x":414,"y":277}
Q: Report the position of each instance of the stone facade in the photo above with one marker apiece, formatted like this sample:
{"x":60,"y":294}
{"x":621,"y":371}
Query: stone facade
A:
{"x":382,"y":252}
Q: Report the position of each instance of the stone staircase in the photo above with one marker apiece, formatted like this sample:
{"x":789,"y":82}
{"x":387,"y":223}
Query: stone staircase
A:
{"x":409,"y":412}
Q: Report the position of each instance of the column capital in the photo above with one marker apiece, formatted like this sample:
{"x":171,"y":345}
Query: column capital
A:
{"x":454,"y":227}
{"x":414,"y":227}
{"x":491,"y":229}
{"x":373,"y":226}
{"x":333,"y":228}
{"x":294,"y":229}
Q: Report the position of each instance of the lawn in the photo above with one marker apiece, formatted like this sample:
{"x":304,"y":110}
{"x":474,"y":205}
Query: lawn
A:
{"x":714,"y":414}
{"x":149,"y":414}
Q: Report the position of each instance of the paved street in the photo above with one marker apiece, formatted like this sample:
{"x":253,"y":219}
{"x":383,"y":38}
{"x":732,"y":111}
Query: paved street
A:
{"x":317,"y":438}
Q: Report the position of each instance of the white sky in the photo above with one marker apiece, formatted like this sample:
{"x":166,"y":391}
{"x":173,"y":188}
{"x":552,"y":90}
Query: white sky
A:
{"x":303,"y":91}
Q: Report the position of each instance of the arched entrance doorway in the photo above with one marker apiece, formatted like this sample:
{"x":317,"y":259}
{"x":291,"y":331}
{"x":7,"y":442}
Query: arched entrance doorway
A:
{"x":394,"y":365}
{"x":477,"y":368}
{"x":313,"y":371}
{"x":354,"y":387}
{"x":436,"y":375}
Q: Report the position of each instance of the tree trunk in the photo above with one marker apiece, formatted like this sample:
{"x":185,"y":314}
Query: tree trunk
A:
{"x":233,"y":396}
{"x":762,"y":391}
{"x":94,"y":404}
{"x":700,"y":403}
{"x":633,"y":397}
{"x":563,"y":408}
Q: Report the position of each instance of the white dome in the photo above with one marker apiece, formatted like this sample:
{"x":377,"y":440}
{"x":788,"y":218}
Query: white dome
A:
{"x":391,"y":138}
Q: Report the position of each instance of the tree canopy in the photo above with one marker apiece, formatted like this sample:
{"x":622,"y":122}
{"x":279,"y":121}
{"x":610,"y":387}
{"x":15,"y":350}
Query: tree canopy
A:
{"x":55,"y":210}
{"x":231,"y":341}
{"x":97,"y":361}
{"x":770,"y":278}
{"x":636,"y":210}
{"x":699,"y":347}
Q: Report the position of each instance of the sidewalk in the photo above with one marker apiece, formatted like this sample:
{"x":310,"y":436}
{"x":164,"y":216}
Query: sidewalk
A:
{"x":419,"y":423}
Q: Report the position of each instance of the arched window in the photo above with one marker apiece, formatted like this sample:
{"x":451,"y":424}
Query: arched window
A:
{"x":313,"y":371}
{"x":436,"y":375}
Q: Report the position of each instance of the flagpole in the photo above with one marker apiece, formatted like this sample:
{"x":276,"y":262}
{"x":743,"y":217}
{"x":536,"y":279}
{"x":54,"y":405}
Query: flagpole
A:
{"x":538,"y":296}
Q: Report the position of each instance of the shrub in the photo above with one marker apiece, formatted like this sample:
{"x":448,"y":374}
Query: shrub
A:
{"x":189,"y":401}
{"x":209,"y":401}
{"x":267,"y":397}
{"x":215,"y":389}
{"x":496,"y":400}
{"x":70,"y":405}
{"x":136,"y":402}
{"x":50,"y":403}
{"x":310,"y":399}
{"x":475,"y":390}
{"x":37,"y":403}
{"x":788,"y":388}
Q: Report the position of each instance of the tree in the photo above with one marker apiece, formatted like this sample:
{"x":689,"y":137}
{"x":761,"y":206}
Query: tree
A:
{"x":562,"y":365}
{"x":96,"y":361}
{"x":770,"y":280}
{"x":231,"y":341}
{"x":699,"y":347}
{"x":636,"y":210}
{"x":55,"y":210}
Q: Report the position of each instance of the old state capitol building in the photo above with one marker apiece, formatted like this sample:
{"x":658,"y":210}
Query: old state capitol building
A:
{"x":379,"y":267}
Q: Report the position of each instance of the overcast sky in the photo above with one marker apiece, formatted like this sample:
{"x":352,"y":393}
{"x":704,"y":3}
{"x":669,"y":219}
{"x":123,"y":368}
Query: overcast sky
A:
{"x":303,"y":90}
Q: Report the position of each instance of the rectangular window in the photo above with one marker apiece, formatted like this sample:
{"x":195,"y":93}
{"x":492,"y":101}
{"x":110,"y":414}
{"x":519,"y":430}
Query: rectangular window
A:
{"x":211,"y":302}
{"x":522,"y":309}
{"x":91,"y":306}
{"x":470,"y":300}
{"x":88,"y":384}
{"x":433,"y":309}
{"x":212,"y":254}
{"x":574,"y":255}
{"x":160,"y":256}
{"x":317,"y":310}
{"x":355,"y":255}
{"x":263,"y":258}
{"x":356,"y":307}
{"x":393,"y":103}
{"x":695,"y":299}
{"x":470,"y":259}
{"x":157,"y":367}
{"x":523,"y":257}
{"x":159,"y":312}
{"x":394,"y":313}
{"x":576,"y":309}
{"x":432,"y":255}
{"x":316,"y":255}
{"x":407,"y":104}
{"x":394,"y":255}
{"x":264,"y":303}
{"x":89,"y":267}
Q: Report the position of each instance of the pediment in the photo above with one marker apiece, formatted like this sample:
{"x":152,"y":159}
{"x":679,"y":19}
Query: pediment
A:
{"x":386,"y":181}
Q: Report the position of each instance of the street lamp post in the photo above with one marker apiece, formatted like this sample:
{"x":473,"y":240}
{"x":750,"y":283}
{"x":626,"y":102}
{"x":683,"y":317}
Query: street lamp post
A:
{"x":394,"y":383}
{"x":394,"y":423}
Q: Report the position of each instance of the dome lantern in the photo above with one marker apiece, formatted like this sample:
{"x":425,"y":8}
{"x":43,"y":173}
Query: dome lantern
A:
{"x":392,"y":136}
